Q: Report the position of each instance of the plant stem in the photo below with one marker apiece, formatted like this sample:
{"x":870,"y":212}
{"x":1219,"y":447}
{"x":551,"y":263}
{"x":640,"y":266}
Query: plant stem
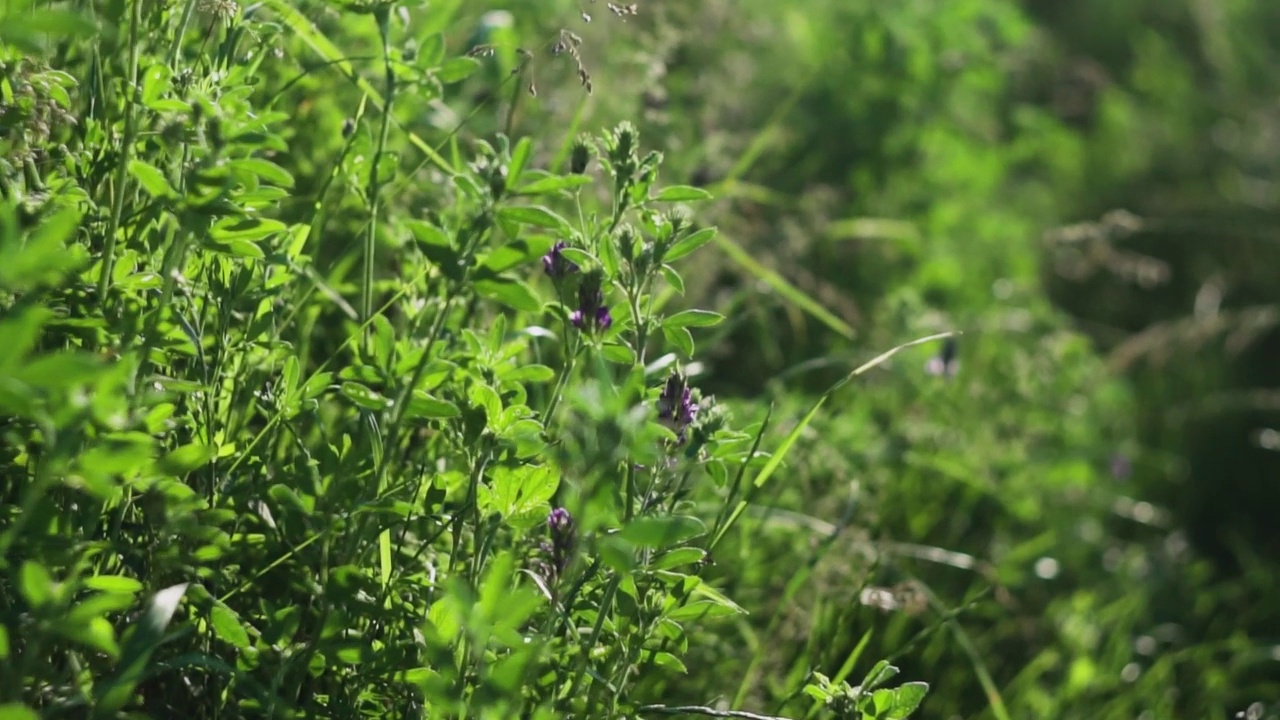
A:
{"x":126,"y":150}
{"x":375,"y":180}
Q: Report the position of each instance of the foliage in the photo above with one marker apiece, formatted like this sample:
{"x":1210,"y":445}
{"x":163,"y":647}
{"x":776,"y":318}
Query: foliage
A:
{"x":358,"y":362}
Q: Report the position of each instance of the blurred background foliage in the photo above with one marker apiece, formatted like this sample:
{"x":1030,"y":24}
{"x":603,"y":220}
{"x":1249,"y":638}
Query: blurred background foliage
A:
{"x":1089,"y":192}
{"x":1079,"y":521}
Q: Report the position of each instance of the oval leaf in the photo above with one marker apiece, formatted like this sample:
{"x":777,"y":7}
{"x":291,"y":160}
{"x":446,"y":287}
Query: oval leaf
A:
{"x":226,"y":625}
{"x":693,"y":318}
{"x":682,"y":193}
{"x":535,"y":215}
{"x":654,"y":532}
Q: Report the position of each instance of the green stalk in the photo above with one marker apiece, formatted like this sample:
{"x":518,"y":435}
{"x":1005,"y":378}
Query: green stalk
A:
{"x":187,"y":11}
{"x":375,"y":182}
{"x":122,"y":168}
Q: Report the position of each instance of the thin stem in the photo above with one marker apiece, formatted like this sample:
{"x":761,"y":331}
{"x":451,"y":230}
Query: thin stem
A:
{"x":709,"y":712}
{"x":606,"y":608}
{"x":375,"y":181}
{"x":126,"y":150}
{"x":187,"y":10}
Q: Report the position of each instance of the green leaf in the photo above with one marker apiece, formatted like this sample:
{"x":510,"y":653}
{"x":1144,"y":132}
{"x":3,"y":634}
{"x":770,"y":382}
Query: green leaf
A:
{"x":45,"y":256}
{"x":879,"y":674}
{"x":429,"y":234}
{"x":35,"y":584}
{"x":251,"y":229}
{"x":143,"y":638}
{"x":700,"y":610}
{"x":715,"y":597}
{"x":515,"y":253}
{"x":616,"y":553}
{"x":673,"y":279}
{"x":186,"y":459}
{"x":20,"y":331}
{"x":94,"y":632}
{"x":155,"y":81}
{"x":519,"y":157}
{"x":60,"y":370}
{"x":656,"y":532}
{"x":457,"y":69}
{"x":113,"y":584}
{"x":510,"y":292}
{"x":151,"y":179}
{"x":618,"y":353}
{"x":264,"y":169}
{"x":580,"y":257}
{"x":432,"y":50}
{"x":535,"y":215}
{"x":693,"y":318}
{"x":97,"y":605}
{"x":682,"y":193}
{"x":364,"y":396}
{"x":238,"y":248}
{"x":681,"y":338}
{"x":424,"y":405}
{"x":227,"y":626}
{"x":689,"y":244}
{"x":25,"y":29}
{"x":287,"y":497}
{"x":678,"y":557}
{"x":906,"y":698}
{"x":530,"y":373}
{"x":670,"y":662}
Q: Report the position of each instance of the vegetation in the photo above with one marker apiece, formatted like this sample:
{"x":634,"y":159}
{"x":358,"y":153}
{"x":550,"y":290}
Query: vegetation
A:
{"x":738,"y":358}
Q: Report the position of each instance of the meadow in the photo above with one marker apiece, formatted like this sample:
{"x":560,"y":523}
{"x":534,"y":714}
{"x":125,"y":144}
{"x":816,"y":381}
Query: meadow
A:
{"x":575,"y":359}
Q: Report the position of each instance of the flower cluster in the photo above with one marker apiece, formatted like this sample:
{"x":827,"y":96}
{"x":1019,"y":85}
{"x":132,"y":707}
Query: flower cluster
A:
{"x":677,"y":408}
{"x":592,"y":313}
{"x":559,"y":548}
{"x":555,"y":264}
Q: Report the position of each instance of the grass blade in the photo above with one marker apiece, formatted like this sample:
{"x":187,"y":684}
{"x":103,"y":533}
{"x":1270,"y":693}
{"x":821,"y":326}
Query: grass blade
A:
{"x":146,"y":637}
{"x":790,"y":292}
{"x":775,"y":461}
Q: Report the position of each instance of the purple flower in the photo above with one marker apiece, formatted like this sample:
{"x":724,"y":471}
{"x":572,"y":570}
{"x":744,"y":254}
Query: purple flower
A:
{"x":556,"y":264}
{"x":676,"y":407}
{"x":592,"y":314}
{"x":559,"y":551}
{"x":560,"y":522}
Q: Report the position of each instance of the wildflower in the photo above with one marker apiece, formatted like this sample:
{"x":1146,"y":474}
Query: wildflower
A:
{"x":556,"y":264}
{"x":592,"y":314}
{"x":559,"y":550}
{"x":676,"y":406}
